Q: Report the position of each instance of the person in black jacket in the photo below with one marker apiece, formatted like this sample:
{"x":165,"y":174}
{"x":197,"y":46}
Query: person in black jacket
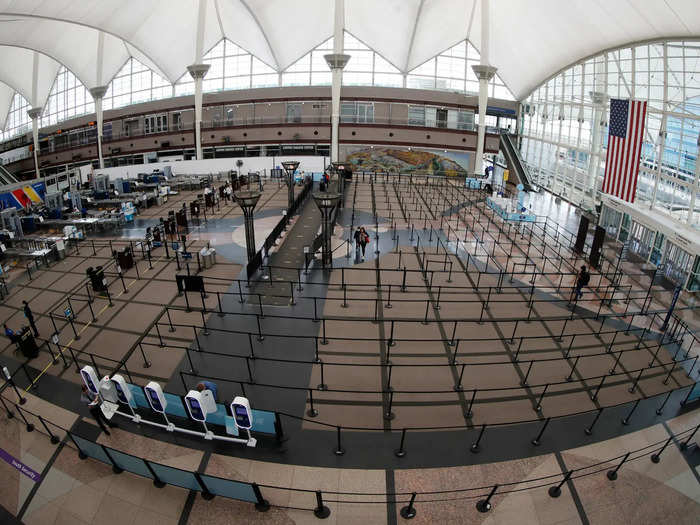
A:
{"x":357,"y":235}
{"x":30,"y":317}
{"x":583,"y":278}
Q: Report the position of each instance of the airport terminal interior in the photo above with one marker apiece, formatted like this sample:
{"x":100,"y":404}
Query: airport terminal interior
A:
{"x":354,"y":262}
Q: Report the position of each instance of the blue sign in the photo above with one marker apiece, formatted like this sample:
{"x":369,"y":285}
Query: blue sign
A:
{"x":16,"y":463}
{"x":68,"y":312}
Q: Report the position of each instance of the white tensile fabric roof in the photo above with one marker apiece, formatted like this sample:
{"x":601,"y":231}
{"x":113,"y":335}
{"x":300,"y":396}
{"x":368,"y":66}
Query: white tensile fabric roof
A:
{"x":530,"y":39}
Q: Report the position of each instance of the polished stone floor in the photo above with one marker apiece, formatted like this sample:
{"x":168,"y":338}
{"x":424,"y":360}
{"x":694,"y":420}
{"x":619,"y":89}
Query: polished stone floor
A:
{"x":470,"y":285}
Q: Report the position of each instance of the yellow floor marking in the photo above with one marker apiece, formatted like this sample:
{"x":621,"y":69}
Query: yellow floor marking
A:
{"x":61,"y":351}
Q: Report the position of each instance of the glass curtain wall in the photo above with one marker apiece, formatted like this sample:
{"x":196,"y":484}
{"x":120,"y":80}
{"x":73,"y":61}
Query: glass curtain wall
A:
{"x":18,"y":122}
{"x":68,"y":98}
{"x":232,"y":67}
{"x":451,"y":70}
{"x":558,"y":120}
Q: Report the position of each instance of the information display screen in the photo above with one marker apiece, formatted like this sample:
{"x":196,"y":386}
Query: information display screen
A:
{"x":120,"y":393}
{"x":89,"y":383}
{"x":195,"y":409}
{"x":242,"y":417}
{"x":155,"y":401}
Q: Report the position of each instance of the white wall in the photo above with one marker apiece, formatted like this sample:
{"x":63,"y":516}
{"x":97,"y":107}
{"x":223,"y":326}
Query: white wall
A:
{"x":204,"y":167}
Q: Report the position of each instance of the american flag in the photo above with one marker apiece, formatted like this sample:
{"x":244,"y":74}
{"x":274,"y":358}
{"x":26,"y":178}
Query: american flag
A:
{"x":624,"y":147}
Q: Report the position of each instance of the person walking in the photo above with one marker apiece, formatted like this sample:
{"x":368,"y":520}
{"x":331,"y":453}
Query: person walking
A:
{"x":93,"y":403}
{"x":583,"y":278}
{"x":357,"y":236}
{"x":364,"y":240}
{"x":30,"y":317}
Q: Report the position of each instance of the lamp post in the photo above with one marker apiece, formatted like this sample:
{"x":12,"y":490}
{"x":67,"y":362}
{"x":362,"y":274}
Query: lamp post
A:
{"x":290,"y":166}
{"x":247,"y":200}
{"x":326,"y":202}
{"x":339,"y":169}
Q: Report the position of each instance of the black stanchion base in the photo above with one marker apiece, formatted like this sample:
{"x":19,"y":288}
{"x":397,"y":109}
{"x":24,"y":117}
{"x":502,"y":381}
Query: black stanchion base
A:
{"x":655,"y":458}
{"x":322,"y":512}
{"x":555,"y":492}
{"x":535,"y":442}
{"x":10,"y":415}
{"x":408,"y":512}
{"x":207,"y":495}
{"x":458,"y":388}
{"x":30,"y":427}
{"x":483,"y":506}
{"x":389,"y":416}
{"x":339,"y":451}
{"x":469,"y":414}
{"x":399,"y":453}
{"x":23,"y":400}
{"x":158,"y":483}
{"x":474,"y":448}
{"x":54,"y":440}
{"x":82,"y":455}
{"x":117,"y":470}
{"x":312,"y":413}
{"x":147,"y":364}
{"x":322,"y":386}
{"x":612,"y":475}
{"x":587,"y":431}
{"x":625,"y":421}
{"x":262,"y":506}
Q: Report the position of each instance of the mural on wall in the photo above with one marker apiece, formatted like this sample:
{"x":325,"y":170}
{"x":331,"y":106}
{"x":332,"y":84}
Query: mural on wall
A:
{"x":424,"y":161}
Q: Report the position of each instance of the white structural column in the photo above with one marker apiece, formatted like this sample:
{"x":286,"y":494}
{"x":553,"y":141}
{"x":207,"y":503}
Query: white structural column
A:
{"x":337,"y":61}
{"x":694,"y":189}
{"x":198,"y":71}
{"x":34,"y":114}
{"x":599,"y":100}
{"x":98,"y":94}
{"x":484,"y":72}
{"x":662,"y":132}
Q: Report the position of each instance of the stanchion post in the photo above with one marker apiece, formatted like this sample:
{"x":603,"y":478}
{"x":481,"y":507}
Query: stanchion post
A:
{"x":612,"y":474}
{"x":555,"y":492}
{"x":409,"y":512}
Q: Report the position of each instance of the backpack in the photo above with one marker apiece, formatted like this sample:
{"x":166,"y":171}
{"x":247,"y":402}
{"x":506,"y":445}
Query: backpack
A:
{"x":585,"y":278}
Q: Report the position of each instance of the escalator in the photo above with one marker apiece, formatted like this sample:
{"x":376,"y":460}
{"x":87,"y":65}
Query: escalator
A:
{"x":6,"y":177}
{"x":515,"y":162}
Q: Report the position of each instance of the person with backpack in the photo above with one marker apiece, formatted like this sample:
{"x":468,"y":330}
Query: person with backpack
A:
{"x":356,"y":236}
{"x":584,"y":277}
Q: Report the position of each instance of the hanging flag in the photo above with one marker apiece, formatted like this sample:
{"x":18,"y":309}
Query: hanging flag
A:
{"x":625,"y":135}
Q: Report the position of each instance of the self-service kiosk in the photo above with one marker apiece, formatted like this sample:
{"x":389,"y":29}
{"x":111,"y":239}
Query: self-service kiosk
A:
{"x":124,"y":395}
{"x":243,"y":416}
{"x":90,"y":379}
{"x":199,"y":404}
{"x":156,"y":398}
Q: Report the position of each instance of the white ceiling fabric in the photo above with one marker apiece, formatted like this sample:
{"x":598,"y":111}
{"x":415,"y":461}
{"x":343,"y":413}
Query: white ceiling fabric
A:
{"x":6,"y":94}
{"x":530,"y":40}
{"x":16,"y":70}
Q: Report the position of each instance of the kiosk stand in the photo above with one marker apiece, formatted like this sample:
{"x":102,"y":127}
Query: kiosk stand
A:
{"x":124,"y":395}
{"x":199,"y":404}
{"x":156,"y":398}
{"x":240,"y":408}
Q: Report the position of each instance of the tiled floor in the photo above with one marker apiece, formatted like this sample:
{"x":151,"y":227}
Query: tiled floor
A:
{"x":361,"y":319}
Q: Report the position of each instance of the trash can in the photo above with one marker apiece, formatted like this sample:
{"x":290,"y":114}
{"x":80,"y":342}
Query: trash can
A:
{"x":206,"y":257}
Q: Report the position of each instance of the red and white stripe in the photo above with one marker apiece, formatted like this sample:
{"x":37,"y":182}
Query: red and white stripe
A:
{"x":622,"y":160}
